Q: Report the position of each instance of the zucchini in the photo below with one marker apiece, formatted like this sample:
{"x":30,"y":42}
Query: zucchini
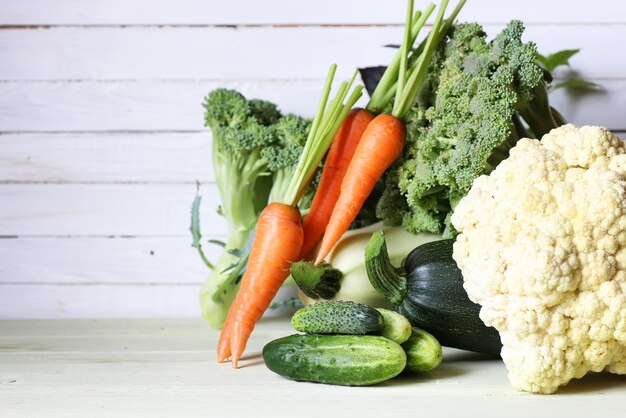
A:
{"x":349,"y":360}
{"x":423,"y":352}
{"x":397,"y":328}
{"x":428,"y":290}
{"x":337,"y":317}
{"x":317,"y":282}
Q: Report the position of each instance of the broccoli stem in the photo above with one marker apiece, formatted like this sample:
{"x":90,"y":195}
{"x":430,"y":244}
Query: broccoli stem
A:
{"x":218,"y":292}
{"x":282,"y":178}
{"x":538,"y":113}
{"x":501,"y":152}
{"x":558,"y":118}
{"x":243,"y":197}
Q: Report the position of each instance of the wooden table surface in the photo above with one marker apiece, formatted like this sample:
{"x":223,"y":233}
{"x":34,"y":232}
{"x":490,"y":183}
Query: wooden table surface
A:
{"x":167,"y":367}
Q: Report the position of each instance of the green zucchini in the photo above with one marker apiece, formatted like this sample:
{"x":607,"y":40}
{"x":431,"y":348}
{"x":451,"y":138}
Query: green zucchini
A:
{"x":349,"y":360}
{"x":428,"y":290}
{"x":317,"y":282}
{"x":397,"y":328}
{"x":337,"y":317}
{"x":423,"y":352}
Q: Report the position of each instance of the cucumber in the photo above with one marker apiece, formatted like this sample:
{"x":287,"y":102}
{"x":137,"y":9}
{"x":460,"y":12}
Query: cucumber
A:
{"x":337,"y":317}
{"x":397,"y":328}
{"x":349,"y":360}
{"x":423,"y":352}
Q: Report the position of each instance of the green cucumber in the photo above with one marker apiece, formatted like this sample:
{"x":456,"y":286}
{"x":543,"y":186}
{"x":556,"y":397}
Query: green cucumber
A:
{"x":397,"y":328}
{"x":349,"y":360}
{"x":423,"y":352}
{"x":337,"y":317}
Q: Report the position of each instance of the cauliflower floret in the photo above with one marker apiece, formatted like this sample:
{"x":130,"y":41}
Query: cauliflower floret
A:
{"x":543,"y":251}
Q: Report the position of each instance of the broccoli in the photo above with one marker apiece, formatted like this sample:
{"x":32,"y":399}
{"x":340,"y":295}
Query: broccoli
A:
{"x":290,"y":132}
{"x":254,"y":149}
{"x":476,"y":102}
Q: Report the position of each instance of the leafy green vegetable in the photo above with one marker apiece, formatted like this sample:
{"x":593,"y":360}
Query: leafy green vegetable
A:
{"x":561,"y":58}
{"x":291,"y":131}
{"x":196,"y":235}
{"x":551,"y":61}
{"x":476,"y":101}
{"x":287,"y":303}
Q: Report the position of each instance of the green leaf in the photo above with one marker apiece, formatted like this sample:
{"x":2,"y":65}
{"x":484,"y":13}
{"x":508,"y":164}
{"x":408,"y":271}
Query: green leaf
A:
{"x":287,"y":303}
{"x":194,"y":228}
{"x":575,"y":84}
{"x":217,"y":242}
{"x":552,"y":61}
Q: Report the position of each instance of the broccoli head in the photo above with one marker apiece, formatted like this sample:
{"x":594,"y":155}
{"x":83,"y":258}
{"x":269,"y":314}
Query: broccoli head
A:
{"x":479,"y":94}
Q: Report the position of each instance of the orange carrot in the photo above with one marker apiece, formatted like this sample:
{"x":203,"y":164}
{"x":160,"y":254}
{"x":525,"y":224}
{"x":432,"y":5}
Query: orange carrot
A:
{"x":277,"y":244}
{"x":279,"y":236}
{"x":341,"y":152}
{"x":383,"y":139}
{"x":380,"y":145}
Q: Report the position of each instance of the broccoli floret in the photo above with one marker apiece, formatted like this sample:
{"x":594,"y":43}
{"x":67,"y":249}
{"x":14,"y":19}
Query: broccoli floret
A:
{"x":266,"y":113}
{"x":480,"y":92}
{"x":290,"y":133}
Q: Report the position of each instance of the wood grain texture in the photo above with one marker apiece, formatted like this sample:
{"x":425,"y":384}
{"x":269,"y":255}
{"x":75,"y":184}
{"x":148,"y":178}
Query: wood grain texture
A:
{"x":88,"y":261}
{"x":167,"y":368}
{"x":104,"y":300}
{"x":176,"y":106}
{"x":134,"y":106}
{"x":264,"y":12}
{"x":257,"y":53}
{"x":154,"y":157}
{"x":106,"y":210}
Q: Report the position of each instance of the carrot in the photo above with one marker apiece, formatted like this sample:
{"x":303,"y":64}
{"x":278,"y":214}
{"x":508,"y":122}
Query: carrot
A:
{"x":279,"y":235}
{"x":380,"y":145}
{"x":341,"y":152}
{"x":384,"y":137}
{"x":277,"y":244}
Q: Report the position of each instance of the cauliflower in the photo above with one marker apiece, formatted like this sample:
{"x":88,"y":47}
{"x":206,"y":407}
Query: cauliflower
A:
{"x":543,"y":251}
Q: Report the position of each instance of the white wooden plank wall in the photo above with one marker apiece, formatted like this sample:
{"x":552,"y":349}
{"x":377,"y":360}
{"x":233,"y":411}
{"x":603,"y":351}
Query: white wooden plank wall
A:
{"x":102,"y":138}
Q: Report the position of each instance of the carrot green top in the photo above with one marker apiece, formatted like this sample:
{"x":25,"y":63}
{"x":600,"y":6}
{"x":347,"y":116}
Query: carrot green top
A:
{"x":404,"y":83}
{"x":325,"y":125}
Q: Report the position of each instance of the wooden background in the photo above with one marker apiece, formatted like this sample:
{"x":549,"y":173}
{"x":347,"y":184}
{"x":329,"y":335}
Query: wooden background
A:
{"x":102,"y":137}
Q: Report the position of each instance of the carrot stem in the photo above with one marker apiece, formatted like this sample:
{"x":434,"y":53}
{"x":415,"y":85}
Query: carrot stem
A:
{"x":322,"y":104}
{"x":404,"y":48}
{"x":386,"y":86}
{"x":405,"y":100}
{"x":390,"y":92}
{"x":330,"y":117}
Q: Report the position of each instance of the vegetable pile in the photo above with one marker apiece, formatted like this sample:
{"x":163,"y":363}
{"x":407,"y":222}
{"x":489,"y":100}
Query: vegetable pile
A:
{"x":482,"y":219}
{"x":351,"y":344}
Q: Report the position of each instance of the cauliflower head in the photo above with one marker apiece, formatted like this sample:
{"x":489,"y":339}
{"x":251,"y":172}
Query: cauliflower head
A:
{"x":542,"y":249}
